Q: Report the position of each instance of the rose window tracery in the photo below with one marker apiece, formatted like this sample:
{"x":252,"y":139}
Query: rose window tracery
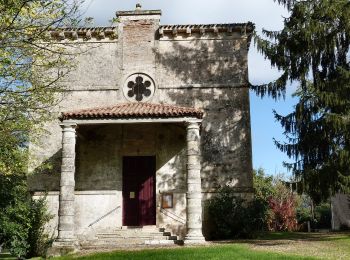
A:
{"x":138,"y":87}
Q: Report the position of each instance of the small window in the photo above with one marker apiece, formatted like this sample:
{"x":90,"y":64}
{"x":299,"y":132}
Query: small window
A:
{"x":167,"y":200}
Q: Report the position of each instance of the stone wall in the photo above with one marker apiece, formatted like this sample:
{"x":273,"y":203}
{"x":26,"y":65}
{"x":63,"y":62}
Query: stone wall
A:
{"x":204,"y":71}
{"x":98,"y":177}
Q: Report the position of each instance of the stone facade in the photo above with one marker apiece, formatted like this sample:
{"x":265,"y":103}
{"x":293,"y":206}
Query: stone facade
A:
{"x":203,"y":67}
{"x":340,"y":208}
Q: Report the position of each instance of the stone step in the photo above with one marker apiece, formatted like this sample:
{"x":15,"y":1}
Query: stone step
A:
{"x":116,"y":238}
{"x":107,"y":246}
{"x":119,"y":246}
{"x":159,"y":242}
{"x":139,"y":227}
{"x":114,"y":242}
{"x":133,"y":234}
{"x":127,"y":243}
{"x":126,"y":234}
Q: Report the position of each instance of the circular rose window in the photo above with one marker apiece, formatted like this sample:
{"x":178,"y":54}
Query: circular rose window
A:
{"x":138,"y":87}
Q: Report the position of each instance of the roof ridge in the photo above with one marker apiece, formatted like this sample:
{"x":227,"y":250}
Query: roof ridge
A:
{"x":133,"y":109}
{"x":206,"y":24}
{"x":85,"y":27}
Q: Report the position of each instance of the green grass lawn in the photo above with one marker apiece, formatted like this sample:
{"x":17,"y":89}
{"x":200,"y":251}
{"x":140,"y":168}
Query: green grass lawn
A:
{"x":280,"y":245}
{"x":320,"y":245}
{"x":6,"y":256}
{"x":228,"y":251}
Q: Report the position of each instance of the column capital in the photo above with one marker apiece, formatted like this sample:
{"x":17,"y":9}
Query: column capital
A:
{"x":193,"y":123}
{"x":68,"y":125}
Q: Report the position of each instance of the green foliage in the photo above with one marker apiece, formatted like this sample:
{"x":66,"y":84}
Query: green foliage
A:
{"x":236,"y":251}
{"x":38,"y":238}
{"x":273,"y":207}
{"x":22,"y":219}
{"x":19,"y":247}
{"x":304,"y":209}
{"x":313,"y":50}
{"x":31,"y":67}
{"x":283,"y":209}
{"x":14,"y":217}
{"x":234,"y":217}
{"x":323,"y":216}
{"x":263,"y":185}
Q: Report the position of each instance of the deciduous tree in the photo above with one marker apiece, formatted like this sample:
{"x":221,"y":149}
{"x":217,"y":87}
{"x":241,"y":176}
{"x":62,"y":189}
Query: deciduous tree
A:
{"x":31,"y":66}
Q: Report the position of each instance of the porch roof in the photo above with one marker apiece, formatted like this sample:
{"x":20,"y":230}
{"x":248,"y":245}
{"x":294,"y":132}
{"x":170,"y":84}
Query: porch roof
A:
{"x":133,"y":111}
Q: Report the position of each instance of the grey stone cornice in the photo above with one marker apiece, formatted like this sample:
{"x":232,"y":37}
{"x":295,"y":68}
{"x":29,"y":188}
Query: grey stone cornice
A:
{"x":85,"y":33}
{"x":138,"y":12}
{"x":243,"y":28}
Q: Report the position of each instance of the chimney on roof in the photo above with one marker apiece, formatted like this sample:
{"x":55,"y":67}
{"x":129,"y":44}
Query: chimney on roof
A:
{"x":139,"y":14}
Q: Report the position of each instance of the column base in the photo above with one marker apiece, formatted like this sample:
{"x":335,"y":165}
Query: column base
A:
{"x":62,"y":247}
{"x":194,"y":240}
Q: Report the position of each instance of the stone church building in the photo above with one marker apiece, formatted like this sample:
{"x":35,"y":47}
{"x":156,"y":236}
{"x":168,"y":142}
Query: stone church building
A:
{"x":153,"y":121}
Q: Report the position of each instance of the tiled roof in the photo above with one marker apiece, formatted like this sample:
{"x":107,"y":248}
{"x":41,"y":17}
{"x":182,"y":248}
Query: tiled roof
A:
{"x":133,"y":110}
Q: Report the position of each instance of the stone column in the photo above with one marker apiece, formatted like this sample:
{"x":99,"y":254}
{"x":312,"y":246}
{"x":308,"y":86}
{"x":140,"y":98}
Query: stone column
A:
{"x":194,"y":187}
{"x":67,"y":185}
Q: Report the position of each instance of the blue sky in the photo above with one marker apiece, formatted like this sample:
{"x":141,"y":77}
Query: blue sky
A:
{"x":265,"y":14}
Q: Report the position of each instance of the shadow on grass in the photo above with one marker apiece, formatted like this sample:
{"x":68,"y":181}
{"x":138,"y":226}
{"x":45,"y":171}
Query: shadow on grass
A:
{"x":280,"y":238}
{"x":199,"y":252}
{"x":7,"y":256}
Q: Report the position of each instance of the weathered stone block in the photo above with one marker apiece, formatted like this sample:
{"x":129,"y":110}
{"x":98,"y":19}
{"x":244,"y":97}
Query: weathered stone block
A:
{"x":68,"y":197}
{"x":202,"y":69}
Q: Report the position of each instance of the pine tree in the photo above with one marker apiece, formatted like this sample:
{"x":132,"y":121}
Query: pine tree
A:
{"x":313,"y":50}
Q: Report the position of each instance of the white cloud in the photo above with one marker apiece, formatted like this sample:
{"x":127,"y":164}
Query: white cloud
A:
{"x":265,"y":13}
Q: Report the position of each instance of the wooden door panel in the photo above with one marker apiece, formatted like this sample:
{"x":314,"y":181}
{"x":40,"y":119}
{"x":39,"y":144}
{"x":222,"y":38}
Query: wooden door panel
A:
{"x":139,"y":207}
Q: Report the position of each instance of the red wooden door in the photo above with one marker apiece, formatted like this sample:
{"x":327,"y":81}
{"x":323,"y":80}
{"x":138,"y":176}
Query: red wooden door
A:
{"x":139,"y":201}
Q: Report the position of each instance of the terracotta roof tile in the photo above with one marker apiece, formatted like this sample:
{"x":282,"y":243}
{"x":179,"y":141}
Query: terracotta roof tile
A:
{"x":133,"y":110}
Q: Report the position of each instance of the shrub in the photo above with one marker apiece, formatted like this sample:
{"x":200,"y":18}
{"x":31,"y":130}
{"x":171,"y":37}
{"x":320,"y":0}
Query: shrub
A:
{"x":14,"y":217}
{"x":233,"y":217}
{"x":283,"y":217}
{"x":263,"y":185}
{"x":39,"y":241}
{"x":323,"y":215}
{"x":283,"y":210}
{"x":273,"y":208}
{"x":265,"y":188}
{"x":22,"y":219}
{"x":304,"y":212}
{"x":304,"y":209}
